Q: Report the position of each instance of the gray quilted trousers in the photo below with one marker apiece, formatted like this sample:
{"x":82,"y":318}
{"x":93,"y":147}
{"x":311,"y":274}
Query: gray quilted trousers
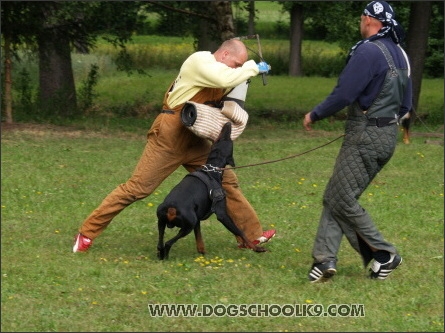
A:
{"x":364,"y":152}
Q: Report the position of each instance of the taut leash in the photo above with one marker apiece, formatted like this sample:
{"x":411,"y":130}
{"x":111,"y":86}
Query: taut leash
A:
{"x":284,"y":158}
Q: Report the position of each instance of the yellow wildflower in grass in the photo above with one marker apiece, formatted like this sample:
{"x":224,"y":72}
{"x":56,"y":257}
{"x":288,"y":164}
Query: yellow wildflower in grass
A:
{"x":143,"y":292}
{"x":56,"y":231}
{"x":150,"y":204}
{"x":314,"y":185}
{"x":297,"y":250}
{"x":309,"y":301}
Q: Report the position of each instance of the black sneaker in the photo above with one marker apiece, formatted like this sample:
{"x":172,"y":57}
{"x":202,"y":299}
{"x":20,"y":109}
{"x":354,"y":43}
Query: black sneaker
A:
{"x":322,"y":272}
{"x":381,"y":271}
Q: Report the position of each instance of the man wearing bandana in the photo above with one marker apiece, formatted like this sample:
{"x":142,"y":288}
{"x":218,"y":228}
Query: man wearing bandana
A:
{"x":376,"y":87}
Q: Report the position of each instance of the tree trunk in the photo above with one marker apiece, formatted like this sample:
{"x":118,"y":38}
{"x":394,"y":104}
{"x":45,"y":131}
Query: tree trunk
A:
{"x":205,"y":42}
{"x":417,"y":43}
{"x":251,"y":20}
{"x":224,"y":15}
{"x":8,"y":80}
{"x":57,"y":92}
{"x":296,"y":38}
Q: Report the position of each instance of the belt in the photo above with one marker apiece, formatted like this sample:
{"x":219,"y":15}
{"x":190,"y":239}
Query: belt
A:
{"x":381,"y":122}
{"x":168,"y":111}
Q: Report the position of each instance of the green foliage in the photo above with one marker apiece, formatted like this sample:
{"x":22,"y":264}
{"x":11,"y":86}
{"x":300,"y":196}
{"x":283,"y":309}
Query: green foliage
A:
{"x":53,"y":178}
{"x":86,"y":93}
{"x":434,"y":58}
{"x":24,"y":88}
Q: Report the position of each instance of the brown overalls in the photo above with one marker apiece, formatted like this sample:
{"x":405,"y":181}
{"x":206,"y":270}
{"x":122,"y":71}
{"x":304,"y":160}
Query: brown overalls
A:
{"x":169,"y":145}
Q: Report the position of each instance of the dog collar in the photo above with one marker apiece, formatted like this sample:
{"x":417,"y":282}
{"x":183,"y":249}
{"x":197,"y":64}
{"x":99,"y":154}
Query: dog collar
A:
{"x":210,"y":168}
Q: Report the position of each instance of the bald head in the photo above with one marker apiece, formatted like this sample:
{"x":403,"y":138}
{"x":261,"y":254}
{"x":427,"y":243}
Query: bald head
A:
{"x":232,"y":52}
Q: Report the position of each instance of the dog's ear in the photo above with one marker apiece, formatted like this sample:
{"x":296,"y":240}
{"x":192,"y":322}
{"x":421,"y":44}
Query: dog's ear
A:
{"x":226,"y":131}
{"x":231,"y":161}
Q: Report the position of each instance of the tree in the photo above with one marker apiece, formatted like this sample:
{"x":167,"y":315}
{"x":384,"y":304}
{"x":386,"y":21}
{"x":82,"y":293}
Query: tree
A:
{"x":296,"y":39}
{"x":56,"y":80}
{"x":54,"y":28}
{"x":210,"y":22}
{"x":16,"y":25}
{"x":417,"y":43}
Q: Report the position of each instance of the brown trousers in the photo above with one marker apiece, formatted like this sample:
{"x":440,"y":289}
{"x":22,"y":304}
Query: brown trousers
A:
{"x":169,"y":145}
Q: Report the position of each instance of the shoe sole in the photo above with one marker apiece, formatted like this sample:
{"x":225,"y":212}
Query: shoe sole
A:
{"x":392,"y":270}
{"x":327,"y":275}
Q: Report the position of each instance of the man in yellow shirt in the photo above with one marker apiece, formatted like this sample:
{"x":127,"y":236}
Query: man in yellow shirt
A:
{"x":203,"y":78}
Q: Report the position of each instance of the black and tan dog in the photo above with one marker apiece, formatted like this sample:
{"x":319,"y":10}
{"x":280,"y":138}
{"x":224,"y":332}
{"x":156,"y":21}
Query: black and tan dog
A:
{"x":197,"y":196}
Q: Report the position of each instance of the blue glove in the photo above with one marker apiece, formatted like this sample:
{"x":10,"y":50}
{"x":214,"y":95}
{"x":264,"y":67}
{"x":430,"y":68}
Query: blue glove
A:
{"x":263,"y":67}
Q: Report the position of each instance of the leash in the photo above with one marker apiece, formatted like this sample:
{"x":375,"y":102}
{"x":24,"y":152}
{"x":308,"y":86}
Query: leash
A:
{"x":284,"y":158}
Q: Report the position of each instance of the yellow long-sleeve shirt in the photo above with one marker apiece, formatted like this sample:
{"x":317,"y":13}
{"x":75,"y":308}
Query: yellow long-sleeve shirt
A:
{"x":201,"y":70}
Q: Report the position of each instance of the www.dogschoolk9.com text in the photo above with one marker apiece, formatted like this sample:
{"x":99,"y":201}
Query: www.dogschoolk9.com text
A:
{"x":256,"y":310}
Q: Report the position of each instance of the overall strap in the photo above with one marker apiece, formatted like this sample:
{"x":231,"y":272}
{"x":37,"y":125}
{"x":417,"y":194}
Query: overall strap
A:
{"x":387,"y":55}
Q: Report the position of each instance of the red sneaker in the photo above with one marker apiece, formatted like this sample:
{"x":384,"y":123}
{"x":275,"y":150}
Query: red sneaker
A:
{"x":267,"y":236}
{"x":81,"y":243}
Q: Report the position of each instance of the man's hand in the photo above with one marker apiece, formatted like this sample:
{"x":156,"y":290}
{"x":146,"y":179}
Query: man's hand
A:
{"x":263,"y":67}
{"x":307,"y":122}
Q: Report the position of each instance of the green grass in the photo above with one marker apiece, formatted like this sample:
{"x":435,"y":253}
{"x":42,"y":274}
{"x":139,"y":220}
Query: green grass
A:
{"x":52,"y":179}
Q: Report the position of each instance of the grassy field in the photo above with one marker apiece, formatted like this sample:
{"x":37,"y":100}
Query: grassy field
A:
{"x":52,"y":178}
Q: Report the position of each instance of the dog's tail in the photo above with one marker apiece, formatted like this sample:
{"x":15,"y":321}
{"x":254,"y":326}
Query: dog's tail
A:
{"x":406,"y":124}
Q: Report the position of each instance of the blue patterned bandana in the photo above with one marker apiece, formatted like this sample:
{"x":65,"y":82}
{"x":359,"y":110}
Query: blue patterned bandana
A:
{"x":383,"y":12}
